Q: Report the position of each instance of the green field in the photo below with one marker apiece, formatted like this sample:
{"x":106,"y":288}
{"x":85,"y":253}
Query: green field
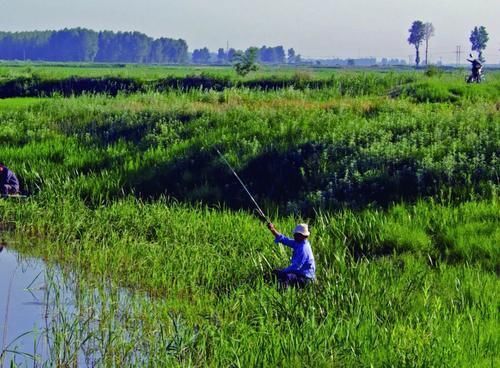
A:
{"x":62,"y":70}
{"x":396,"y":172}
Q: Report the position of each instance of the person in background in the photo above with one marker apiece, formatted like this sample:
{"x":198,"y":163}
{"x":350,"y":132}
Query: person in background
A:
{"x":302,"y":269}
{"x":8,"y":181}
{"x":476,"y":66}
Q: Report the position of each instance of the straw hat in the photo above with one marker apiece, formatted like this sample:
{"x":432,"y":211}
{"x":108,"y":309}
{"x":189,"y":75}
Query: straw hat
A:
{"x":302,"y":229}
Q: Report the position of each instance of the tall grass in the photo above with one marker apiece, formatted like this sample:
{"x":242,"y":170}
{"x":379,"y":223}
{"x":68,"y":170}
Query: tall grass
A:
{"x":404,"y":300}
{"x":321,"y":151}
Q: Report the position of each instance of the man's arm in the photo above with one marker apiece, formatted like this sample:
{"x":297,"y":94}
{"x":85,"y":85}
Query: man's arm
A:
{"x":273,"y":230}
{"x":280,"y":238}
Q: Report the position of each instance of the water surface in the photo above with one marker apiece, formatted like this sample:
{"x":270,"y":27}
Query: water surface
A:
{"x":48,"y":316}
{"x":23,"y":307}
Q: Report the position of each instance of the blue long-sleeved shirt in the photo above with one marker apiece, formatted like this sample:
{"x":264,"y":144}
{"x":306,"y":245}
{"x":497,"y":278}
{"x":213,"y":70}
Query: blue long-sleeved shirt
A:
{"x":302,"y":261}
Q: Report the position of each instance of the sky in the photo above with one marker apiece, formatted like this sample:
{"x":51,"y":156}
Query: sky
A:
{"x":314,"y":28}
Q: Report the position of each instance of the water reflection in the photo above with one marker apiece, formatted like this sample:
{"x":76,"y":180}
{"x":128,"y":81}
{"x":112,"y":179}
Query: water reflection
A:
{"x":21,"y":303}
{"x":52,"y":317}
{"x":49,"y":316}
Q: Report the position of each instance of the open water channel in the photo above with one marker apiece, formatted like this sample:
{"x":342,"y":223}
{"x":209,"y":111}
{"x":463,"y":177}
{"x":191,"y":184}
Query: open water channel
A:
{"x":23,"y":307}
{"x":48,"y":317}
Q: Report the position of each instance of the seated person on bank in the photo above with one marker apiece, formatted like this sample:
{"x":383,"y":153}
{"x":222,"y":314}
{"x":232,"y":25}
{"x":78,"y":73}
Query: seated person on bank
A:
{"x":8,"y":181}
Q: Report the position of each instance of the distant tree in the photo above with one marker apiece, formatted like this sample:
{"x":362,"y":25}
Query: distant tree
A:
{"x":279,"y":53}
{"x":245,"y":62}
{"x":417,"y":34}
{"x":428,"y":33}
{"x":75,"y":44}
{"x":129,"y":47}
{"x":291,"y":56}
{"x":221,"y":56}
{"x":266,"y":54}
{"x":271,"y":55}
{"x":230,"y":55}
{"x":61,"y":45}
{"x":107,"y":50}
{"x":176,"y":51}
{"x":201,"y":56}
{"x":479,"y":38}
{"x":156,"y":54}
{"x":136,"y":47}
{"x":167,"y":50}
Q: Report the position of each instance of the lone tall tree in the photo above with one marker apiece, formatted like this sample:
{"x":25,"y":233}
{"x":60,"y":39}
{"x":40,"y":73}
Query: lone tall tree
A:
{"x":428,"y":33}
{"x":478,"y":39}
{"x":417,"y":33}
{"x":245,"y":62}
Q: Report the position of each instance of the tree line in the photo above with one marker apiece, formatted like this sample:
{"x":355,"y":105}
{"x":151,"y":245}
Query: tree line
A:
{"x":264,"y":55}
{"x":85,"y":45}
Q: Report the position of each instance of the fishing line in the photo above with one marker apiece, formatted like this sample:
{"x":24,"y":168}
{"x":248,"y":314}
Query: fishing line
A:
{"x":259,"y":210}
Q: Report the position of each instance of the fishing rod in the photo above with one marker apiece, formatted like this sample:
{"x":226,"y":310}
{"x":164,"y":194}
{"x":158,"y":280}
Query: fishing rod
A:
{"x":259,"y":210}
{"x":5,"y":196}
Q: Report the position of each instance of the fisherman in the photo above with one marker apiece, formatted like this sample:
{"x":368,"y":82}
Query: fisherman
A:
{"x":8,"y":181}
{"x":476,"y":67}
{"x":302,"y":268}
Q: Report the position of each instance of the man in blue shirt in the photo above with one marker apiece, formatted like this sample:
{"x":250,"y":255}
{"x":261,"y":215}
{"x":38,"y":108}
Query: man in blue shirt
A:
{"x":302,"y":269}
{"x":8,"y":181}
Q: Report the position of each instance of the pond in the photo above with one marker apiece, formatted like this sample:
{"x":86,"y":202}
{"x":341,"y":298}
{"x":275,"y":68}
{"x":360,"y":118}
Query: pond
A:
{"x":49,"y":316}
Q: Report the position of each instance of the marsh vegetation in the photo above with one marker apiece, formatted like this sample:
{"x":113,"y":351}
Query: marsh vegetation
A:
{"x":398,"y":174}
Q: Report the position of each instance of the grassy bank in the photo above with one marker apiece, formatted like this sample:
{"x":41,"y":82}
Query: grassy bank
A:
{"x":400,"y":187}
{"x":414,"y":286}
{"x":300,"y":151}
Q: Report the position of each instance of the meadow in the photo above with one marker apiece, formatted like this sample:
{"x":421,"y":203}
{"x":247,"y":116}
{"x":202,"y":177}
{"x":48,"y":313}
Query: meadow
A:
{"x":397,"y":172}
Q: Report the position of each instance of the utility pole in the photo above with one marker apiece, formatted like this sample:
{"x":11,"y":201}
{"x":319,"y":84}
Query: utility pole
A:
{"x":409,"y":59}
{"x":459,"y":54}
